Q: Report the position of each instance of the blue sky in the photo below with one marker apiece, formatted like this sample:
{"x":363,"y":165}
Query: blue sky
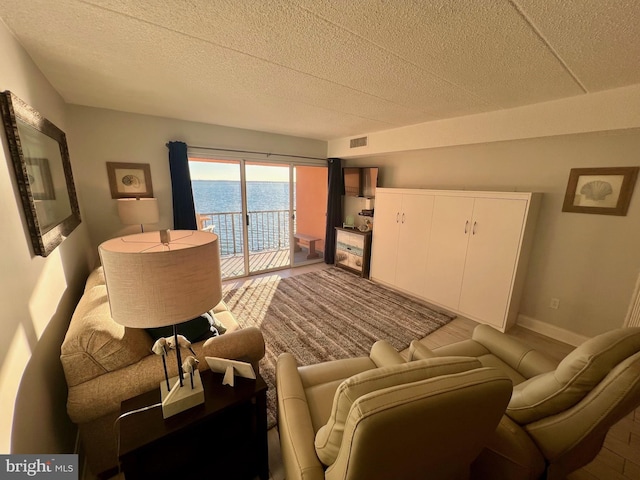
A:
{"x":230,"y":171}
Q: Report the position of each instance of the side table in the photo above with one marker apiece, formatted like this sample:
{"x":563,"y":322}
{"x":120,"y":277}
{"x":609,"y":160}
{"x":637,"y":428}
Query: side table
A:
{"x":226,"y":437}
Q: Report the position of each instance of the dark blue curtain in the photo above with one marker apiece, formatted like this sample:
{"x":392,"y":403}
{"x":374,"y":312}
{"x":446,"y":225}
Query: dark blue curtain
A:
{"x":184,"y":212}
{"x":334,"y":208}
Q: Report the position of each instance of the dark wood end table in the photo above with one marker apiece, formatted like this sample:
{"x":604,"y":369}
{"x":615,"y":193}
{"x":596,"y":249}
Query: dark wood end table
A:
{"x":226,"y":437}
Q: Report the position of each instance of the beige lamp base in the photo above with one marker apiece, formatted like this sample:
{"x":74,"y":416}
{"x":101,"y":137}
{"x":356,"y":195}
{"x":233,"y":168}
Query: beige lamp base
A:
{"x":182,"y":398}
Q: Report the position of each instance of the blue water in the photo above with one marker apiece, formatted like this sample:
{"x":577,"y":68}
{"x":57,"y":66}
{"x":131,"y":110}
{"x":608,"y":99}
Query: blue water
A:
{"x":267,"y":231}
{"x":221,"y":196}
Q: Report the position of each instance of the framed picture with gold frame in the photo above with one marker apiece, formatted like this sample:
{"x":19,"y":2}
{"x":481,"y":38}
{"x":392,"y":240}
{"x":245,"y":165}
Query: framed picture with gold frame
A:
{"x":604,"y":191}
{"x":130,"y":180}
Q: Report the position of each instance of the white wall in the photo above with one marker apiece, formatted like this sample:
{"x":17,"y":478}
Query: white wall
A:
{"x":589,"y":262}
{"x":101,"y":136}
{"x":37,"y":295}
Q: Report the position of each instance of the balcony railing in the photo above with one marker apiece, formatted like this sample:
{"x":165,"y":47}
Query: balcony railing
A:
{"x":268,"y":230}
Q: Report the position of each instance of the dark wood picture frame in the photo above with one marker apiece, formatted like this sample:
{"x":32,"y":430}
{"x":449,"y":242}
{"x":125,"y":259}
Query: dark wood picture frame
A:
{"x":604,"y":191}
{"x":130,"y":180}
{"x":40,"y":158}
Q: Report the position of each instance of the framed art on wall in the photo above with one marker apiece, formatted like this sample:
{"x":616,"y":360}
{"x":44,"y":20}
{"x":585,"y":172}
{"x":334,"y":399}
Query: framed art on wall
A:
{"x":130,"y":180}
{"x":605,"y":191}
{"x":44,"y":179}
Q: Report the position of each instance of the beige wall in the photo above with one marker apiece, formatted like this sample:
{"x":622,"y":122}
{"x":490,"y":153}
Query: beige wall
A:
{"x":101,"y":136}
{"x":37,"y":294}
{"x":589,"y":262}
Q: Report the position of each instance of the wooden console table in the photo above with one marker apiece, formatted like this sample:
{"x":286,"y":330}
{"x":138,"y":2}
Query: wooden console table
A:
{"x":226,"y":437}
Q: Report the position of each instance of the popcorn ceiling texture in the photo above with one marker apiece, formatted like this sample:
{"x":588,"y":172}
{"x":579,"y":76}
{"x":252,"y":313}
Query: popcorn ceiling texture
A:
{"x":326,"y":68}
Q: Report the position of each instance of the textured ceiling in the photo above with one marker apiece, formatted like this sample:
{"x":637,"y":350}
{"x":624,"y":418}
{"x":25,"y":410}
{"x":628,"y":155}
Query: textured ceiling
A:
{"x":326,"y":69}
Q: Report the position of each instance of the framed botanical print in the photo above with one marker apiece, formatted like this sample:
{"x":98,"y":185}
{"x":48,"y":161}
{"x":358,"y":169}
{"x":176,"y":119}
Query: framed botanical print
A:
{"x":130,"y":180}
{"x":605,"y":191}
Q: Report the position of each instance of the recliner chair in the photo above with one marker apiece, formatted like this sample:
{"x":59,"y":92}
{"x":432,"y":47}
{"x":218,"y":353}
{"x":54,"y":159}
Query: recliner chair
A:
{"x":379,"y":417}
{"x":559,"y":414}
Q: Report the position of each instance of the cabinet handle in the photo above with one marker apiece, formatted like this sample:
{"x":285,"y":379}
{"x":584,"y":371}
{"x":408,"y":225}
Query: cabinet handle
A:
{"x":397,"y":217}
{"x":403,"y":218}
{"x":474,"y":228}
{"x":466,"y":226}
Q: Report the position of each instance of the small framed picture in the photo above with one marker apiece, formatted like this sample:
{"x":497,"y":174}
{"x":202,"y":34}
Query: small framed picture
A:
{"x":130,"y":180}
{"x":40,"y":180}
{"x":605,"y":191}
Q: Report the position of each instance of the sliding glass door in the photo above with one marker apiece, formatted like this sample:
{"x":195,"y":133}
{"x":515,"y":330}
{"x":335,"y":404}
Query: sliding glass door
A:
{"x":218,"y":198}
{"x":268,"y":215}
{"x":310,"y":207}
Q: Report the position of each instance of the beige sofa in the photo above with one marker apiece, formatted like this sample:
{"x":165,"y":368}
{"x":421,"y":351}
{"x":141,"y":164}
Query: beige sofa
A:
{"x":105,"y":363}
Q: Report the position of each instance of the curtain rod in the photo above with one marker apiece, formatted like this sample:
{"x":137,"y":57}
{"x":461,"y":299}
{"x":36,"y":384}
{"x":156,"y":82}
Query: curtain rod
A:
{"x":268,"y":154}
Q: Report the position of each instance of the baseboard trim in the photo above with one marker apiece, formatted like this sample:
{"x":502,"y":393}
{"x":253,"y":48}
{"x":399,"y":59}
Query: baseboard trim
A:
{"x":551,"y":331}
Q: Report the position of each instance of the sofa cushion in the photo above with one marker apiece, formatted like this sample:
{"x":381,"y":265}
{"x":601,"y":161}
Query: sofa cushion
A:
{"x":329,"y":437}
{"x":579,"y":372}
{"x":95,"y":344}
{"x":96,"y":277}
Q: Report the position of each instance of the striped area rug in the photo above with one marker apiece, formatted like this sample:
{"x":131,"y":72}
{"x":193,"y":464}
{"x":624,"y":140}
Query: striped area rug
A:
{"x":326,"y":315}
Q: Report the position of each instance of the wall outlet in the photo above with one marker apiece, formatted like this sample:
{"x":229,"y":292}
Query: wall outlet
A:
{"x":555,"y":303}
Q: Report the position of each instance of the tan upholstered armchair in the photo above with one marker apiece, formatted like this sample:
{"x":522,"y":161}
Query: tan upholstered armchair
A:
{"x":378,"y":417}
{"x":559,"y":415}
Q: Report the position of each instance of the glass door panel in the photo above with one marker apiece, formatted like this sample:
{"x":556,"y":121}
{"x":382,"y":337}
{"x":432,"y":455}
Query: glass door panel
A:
{"x":268,"y":215}
{"x":217,"y":195}
{"x":310,"y":207}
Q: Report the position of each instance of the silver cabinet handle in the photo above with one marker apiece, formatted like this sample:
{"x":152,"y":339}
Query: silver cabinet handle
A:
{"x":474,"y":228}
{"x":466,"y":226}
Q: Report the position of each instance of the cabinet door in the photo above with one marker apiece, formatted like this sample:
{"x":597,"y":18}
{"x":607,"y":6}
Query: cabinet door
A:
{"x":413,"y":241}
{"x":491,"y":259}
{"x":384,"y":247}
{"x":450,"y":229}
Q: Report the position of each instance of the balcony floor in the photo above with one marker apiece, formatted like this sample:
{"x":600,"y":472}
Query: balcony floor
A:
{"x":233,"y":265}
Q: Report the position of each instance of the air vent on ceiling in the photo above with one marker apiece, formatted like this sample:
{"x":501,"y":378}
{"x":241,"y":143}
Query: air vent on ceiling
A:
{"x":358,"y":142}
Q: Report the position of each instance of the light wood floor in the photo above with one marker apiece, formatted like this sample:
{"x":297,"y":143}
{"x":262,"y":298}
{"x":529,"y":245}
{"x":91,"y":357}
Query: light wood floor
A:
{"x":620,"y":456}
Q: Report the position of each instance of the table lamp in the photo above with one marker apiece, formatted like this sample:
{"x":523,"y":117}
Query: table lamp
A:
{"x":153,"y":282}
{"x":138,"y":211}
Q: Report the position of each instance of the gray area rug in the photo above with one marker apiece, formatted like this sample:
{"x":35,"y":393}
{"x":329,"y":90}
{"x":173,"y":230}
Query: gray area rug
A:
{"x":327,"y":315}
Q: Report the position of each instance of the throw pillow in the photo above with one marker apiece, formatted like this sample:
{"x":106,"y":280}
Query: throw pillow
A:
{"x":329,"y":437}
{"x":195,"y":330}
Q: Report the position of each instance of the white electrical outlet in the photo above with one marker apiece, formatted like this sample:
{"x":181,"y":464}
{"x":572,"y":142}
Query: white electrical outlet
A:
{"x":555,"y":303}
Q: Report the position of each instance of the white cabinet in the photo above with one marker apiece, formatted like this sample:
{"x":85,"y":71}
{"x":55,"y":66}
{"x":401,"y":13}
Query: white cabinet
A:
{"x":490,"y":265}
{"x":473,"y":258}
{"x":402,"y":224}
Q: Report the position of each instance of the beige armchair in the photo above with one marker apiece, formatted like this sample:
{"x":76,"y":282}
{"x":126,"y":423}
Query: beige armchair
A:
{"x":559,"y":415}
{"x":378,"y":417}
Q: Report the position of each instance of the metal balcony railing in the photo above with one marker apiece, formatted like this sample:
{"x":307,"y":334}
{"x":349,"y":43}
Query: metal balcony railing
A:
{"x":268,"y":230}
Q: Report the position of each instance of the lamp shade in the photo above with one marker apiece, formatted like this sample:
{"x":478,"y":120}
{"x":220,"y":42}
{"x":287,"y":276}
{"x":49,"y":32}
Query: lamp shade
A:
{"x":154,"y":284}
{"x":138,"y":211}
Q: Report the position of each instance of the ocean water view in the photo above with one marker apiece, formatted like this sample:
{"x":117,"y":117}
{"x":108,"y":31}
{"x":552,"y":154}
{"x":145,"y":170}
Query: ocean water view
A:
{"x":223,"y":196}
{"x":268,"y":209}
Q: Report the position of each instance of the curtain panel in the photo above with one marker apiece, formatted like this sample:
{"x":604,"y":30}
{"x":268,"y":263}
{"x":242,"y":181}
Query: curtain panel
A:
{"x":334,"y":208}
{"x":184,"y":212}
